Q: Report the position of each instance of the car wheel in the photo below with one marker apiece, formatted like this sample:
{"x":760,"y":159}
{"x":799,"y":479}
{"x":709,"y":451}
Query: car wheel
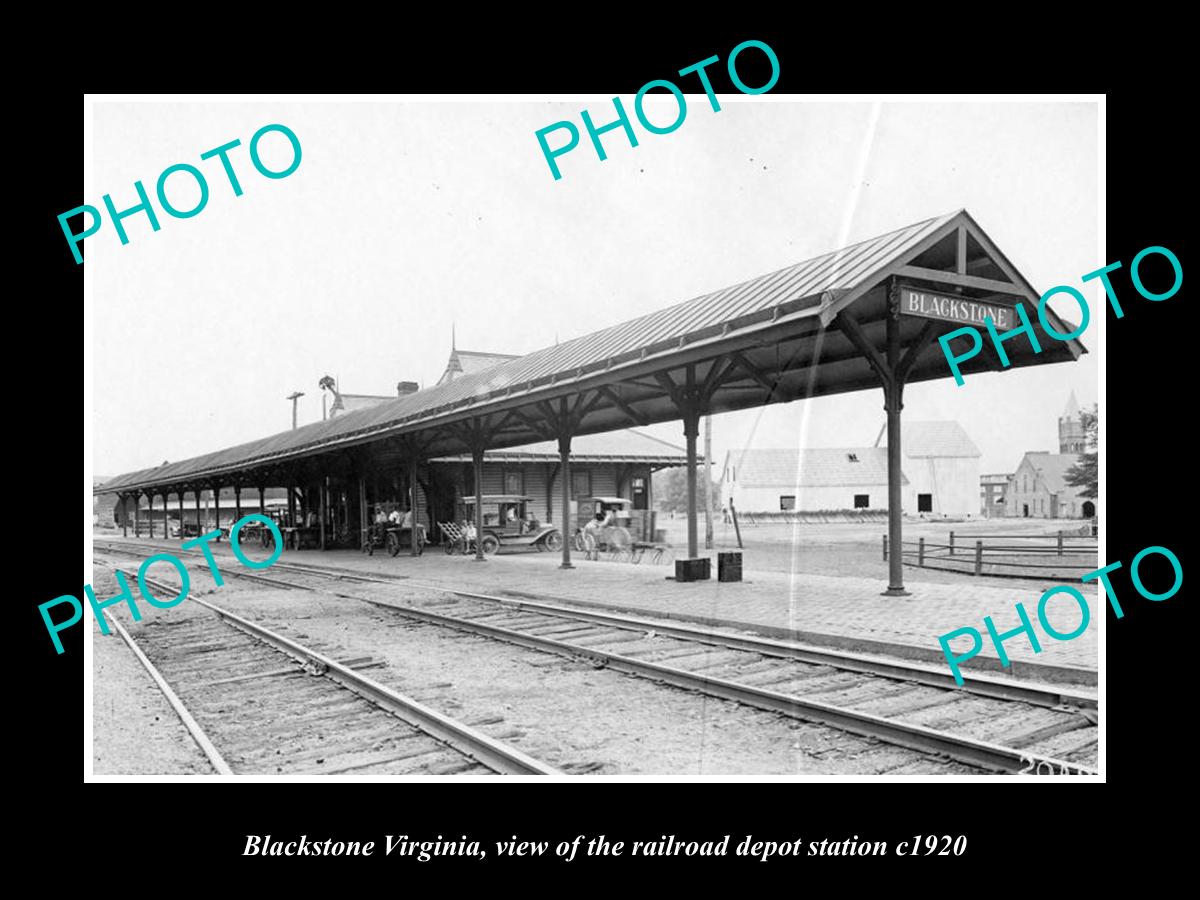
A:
{"x":490,"y":544}
{"x":552,"y":541}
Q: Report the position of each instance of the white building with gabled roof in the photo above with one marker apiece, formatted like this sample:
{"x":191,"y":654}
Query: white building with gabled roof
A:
{"x":940,"y":475}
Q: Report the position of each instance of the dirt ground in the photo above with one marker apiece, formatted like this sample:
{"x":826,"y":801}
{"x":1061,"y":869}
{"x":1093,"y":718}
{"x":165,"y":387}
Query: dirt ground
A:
{"x":134,"y":729}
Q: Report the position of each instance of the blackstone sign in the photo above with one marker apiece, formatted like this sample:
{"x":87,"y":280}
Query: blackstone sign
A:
{"x":951,"y":309}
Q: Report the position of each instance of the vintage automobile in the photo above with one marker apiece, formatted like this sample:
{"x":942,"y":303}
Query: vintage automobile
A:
{"x":613,"y":536}
{"x":506,"y":523}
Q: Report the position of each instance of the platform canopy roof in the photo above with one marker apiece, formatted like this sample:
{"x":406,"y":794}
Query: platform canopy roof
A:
{"x":803,"y":331}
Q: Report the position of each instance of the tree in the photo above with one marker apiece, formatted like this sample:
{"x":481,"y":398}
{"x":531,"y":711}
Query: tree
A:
{"x":670,"y":490}
{"x":1085,"y":472}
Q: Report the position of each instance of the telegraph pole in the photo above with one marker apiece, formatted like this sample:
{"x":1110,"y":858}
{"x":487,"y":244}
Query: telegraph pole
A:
{"x":708,"y":532}
{"x":294,"y":396}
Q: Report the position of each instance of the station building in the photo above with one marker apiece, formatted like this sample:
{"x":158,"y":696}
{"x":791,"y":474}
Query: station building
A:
{"x":617,"y":463}
{"x":940,"y":475}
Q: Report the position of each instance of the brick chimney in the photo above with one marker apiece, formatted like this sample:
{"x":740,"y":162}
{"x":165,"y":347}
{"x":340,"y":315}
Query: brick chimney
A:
{"x":403,"y":388}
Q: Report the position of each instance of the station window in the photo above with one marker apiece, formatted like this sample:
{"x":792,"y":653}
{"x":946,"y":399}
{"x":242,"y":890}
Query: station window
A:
{"x":787,"y":501}
{"x":924,"y":502}
{"x":581,"y":484}
{"x":514,"y":482}
{"x":862,"y":501}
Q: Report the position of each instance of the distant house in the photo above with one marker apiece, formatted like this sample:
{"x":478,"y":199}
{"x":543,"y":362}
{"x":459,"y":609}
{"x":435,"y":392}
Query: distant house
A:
{"x":103,"y":505}
{"x":993,"y":494}
{"x":1039,"y":489}
{"x":940,"y":475}
{"x":468,"y":362}
{"x":344,"y":403}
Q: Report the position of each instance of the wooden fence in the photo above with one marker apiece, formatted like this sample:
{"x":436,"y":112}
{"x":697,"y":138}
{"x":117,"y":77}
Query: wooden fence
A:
{"x":1029,"y":556}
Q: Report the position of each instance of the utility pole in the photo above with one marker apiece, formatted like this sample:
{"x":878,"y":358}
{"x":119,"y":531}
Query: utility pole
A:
{"x":708,"y":506}
{"x":294,"y":396}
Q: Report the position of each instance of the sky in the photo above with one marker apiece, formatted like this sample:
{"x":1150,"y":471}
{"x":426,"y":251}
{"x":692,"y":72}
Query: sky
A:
{"x":406,"y":219}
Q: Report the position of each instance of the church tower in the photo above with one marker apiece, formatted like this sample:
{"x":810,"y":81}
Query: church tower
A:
{"x":1071,"y":436}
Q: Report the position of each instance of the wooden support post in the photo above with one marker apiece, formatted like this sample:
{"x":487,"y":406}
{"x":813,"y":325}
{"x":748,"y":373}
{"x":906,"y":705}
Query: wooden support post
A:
{"x":551,"y":472}
{"x":362,"y":512}
{"x":124,"y":514}
{"x":181,"y":537}
{"x":412,"y":486}
{"x":979,"y":557}
{"x":708,"y":524}
{"x":893,"y":387}
{"x":199,"y":524}
{"x":477,"y":462}
{"x":216,"y":489}
{"x":322,"y":505}
{"x":291,"y":492}
{"x":150,"y":513}
{"x":137,"y":508}
{"x":237,"y":503}
{"x":564,"y":473}
{"x":691,"y":426}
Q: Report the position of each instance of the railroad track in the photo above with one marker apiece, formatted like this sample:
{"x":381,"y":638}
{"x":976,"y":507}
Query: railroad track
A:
{"x":316,"y":715}
{"x":989,"y":723}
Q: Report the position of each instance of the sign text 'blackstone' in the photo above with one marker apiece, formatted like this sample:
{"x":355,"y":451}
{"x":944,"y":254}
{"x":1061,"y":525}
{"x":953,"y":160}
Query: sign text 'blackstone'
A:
{"x":990,"y":322}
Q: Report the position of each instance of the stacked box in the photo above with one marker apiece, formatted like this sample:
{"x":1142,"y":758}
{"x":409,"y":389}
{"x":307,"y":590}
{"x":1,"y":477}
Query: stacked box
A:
{"x":698,"y":569}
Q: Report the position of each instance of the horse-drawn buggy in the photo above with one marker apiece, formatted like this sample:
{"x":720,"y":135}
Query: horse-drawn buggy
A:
{"x":607,"y":525}
{"x":605,"y":528}
{"x":507,"y":522}
{"x":394,"y":537}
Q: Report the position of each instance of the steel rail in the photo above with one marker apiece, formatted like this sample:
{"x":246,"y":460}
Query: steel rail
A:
{"x":972,"y":752}
{"x":496,"y":755}
{"x":981,"y":684}
{"x":193,"y":727}
{"x":974,"y":683}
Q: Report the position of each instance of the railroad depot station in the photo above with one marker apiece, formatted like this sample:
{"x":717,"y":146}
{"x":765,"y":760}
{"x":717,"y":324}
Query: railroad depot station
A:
{"x":828,"y":325}
{"x":535,"y":446}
